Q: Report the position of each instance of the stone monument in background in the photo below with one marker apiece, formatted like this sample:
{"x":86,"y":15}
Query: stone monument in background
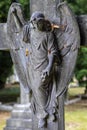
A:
{"x":44,"y":52}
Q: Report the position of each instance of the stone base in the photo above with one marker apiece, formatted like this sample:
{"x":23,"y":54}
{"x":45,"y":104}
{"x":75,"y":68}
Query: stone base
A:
{"x":50,"y":125}
{"x":10,"y":128}
{"x":21,"y":118}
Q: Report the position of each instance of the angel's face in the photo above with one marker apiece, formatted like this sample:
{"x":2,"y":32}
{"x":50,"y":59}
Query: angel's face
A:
{"x":41,"y":25}
{"x":37,"y":19}
{"x":37,"y":24}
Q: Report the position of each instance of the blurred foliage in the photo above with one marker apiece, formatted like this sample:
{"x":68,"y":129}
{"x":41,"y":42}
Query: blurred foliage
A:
{"x":10,"y":94}
{"x":5,"y":67}
{"x":78,"y":6}
{"x":26,"y":9}
{"x":4,"y":7}
{"x":5,"y":59}
{"x":81,"y":67}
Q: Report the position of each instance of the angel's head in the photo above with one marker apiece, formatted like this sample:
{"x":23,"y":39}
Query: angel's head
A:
{"x":39,"y":22}
{"x":37,"y":15}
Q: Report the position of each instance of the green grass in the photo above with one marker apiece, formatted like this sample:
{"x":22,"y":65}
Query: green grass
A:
{"x":76,"y":119}
{"x":3,"y":117}
{"x":2,"y":124}
{"x":76,"y":114}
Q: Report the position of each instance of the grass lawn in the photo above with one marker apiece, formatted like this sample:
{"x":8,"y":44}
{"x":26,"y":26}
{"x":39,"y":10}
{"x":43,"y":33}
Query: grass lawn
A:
{"x":3,"y":117}
{"x":76,"y":116}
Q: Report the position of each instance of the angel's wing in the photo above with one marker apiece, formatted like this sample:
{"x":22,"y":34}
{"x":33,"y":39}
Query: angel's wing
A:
{"x":17,"y":47}
{"x":12,"y":30}
{"x":68,"y":41}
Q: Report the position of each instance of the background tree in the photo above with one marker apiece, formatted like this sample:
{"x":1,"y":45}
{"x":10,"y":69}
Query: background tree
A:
{"x":5,"y":59}
{"x":81,"y":67}
{"x":78,"y":6}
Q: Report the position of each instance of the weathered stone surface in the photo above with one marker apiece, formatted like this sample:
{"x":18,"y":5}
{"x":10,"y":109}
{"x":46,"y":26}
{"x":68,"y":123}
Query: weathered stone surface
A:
{"x":21,"y":114}
{"x":5,"y":107}
{"x":24,"y":123}
{"x":21,"y":118}
{"x":48,"y":7}
{"x":68,"y":42}
{"x":16,"y":128}
{"x":22,"y":106}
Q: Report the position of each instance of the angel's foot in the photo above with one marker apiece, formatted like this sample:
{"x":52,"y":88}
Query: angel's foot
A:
{"x":41,"y":123}
{"x":51,"y":118}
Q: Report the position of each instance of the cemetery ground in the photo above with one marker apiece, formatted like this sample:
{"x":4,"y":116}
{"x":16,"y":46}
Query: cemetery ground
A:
{"x":75,"y":114}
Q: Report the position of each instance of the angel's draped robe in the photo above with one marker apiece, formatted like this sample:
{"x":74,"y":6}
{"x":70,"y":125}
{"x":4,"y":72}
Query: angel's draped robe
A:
{"x":41,"y":44}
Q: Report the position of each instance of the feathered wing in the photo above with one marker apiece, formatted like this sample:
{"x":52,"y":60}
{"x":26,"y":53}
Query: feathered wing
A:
{"x":68,"y":41}
{"x":13,"y":32}
{"x":16,"y":45}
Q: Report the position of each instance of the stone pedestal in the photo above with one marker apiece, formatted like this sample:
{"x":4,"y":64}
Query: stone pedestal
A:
{"x":24,"y":97}
{"x":21,"y":118}
{"x":21,"y":115}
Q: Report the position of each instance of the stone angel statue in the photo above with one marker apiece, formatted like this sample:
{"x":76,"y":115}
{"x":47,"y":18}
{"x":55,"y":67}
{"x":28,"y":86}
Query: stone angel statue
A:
{"x":52,"y":47}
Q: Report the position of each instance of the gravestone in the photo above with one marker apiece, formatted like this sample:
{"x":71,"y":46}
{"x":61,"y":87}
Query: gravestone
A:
{"x":22,"y":117}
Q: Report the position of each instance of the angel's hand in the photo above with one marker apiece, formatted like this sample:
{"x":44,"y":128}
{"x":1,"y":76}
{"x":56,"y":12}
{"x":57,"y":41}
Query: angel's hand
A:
{"x":45,"y":74}
{"x":63,"y":27}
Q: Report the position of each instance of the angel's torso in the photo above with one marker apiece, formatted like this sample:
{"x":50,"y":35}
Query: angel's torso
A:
{"x":39,"y":49}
